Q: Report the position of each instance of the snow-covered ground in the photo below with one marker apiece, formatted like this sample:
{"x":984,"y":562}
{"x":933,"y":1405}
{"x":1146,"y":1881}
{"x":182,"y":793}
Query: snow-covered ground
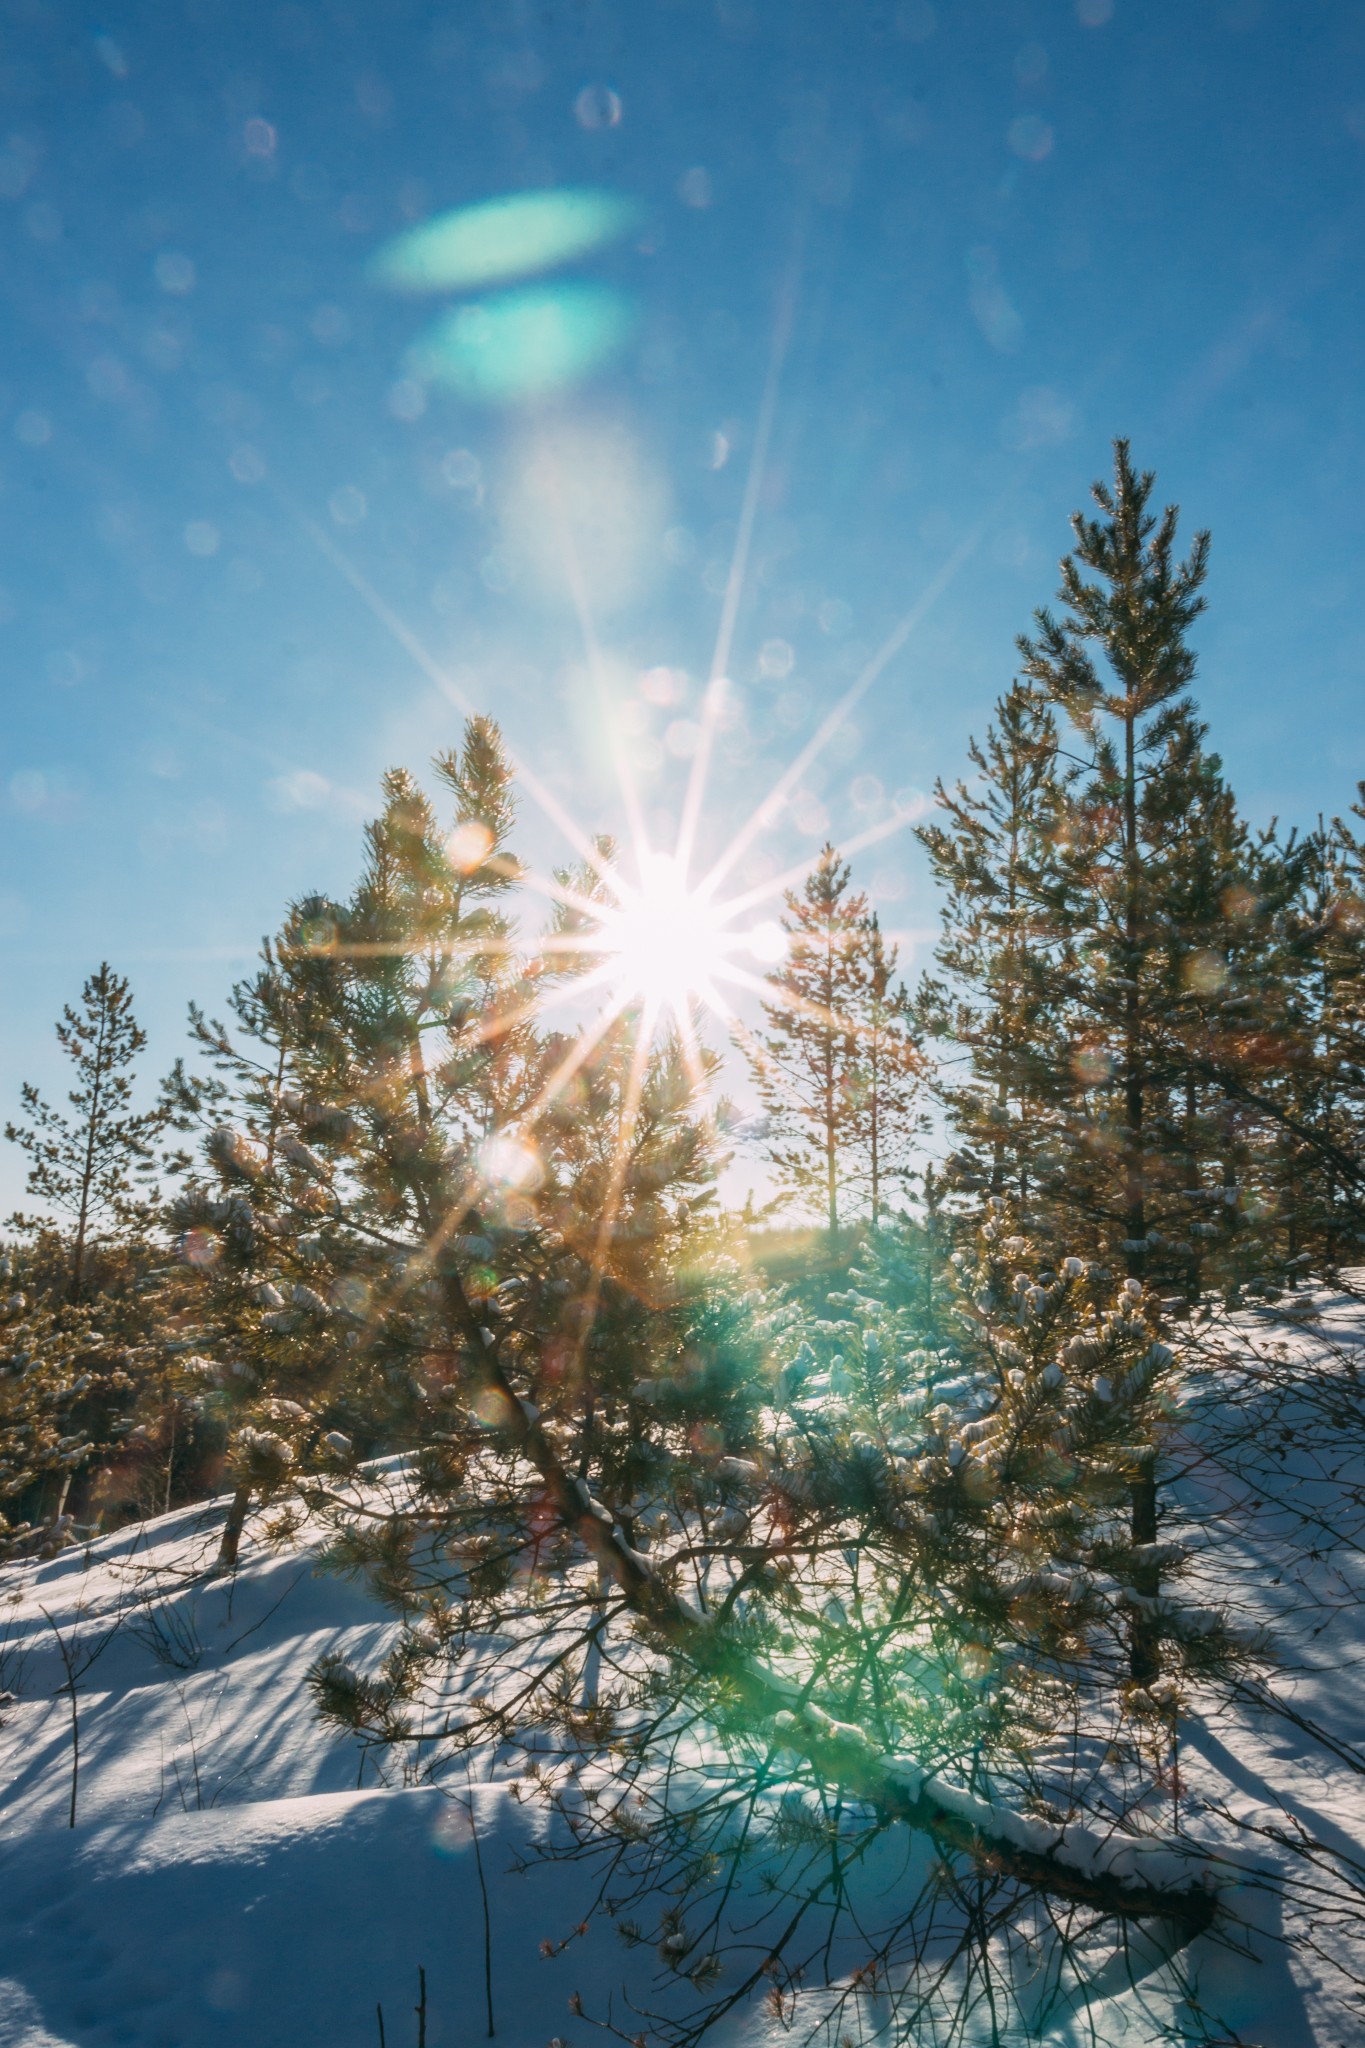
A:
{"x":235,"y":1875}
{"x":228,"y":1878}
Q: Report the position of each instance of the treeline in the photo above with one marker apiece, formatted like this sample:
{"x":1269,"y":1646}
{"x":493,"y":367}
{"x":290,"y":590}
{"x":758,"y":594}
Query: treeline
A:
{"x":1144,"y":1034}
{"x":1147,"y":1023}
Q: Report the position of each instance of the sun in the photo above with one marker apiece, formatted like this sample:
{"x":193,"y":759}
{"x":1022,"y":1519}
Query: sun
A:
{"x":662,"y":947}
{"x":666,"y":945}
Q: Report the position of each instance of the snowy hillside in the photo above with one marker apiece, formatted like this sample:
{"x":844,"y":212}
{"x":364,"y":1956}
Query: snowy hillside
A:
{"x":235,"y":1874}
{"x":227,"y":1879}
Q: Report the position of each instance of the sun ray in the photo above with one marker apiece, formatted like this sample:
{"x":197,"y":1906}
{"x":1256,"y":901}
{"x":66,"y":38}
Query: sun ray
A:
{"x":762,"y":892}
{"x":559,"y":891}
{"x":522,"y":1125}
{"x":820,"y":1013}
{"x":476,"y":1181}
{"x":582,"y":1050}
{"x":691,"y":1048}
{"x":625,"y":1131}
{"x":432,"y":669}
{"x":764,"y":813}
{"x":504,"y":1021}
{"x":734,"y":582}
{"x":740,"y":1030}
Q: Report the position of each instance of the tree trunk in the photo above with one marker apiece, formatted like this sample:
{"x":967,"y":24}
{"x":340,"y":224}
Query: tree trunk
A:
{"x":1144,"y":1654}
{"x":1135,"y":1208}
{"x":91,"y":1146}
{"x":831,"y":1154}
{"x":170,"y":1467}
{"x":1195,"y":1268}
{"x":1134,"y":1202}
{"x":273,"y":1132}
{"x":232,"y":1530}
{"x":1144,"y":1646}
{"x":875,"y":1133}
{"x":831,"y":1083}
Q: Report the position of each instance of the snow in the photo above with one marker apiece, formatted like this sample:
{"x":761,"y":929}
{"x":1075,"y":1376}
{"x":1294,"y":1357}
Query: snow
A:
{"x":237,"y":1874}
{"x":227,"y":1881}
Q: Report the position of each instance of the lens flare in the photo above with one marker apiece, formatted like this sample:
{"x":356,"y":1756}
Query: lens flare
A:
{"x":584,"y":503}
{"x":518,"y":235}
{"x":524,"y":343}
{"x":507,"y":1161}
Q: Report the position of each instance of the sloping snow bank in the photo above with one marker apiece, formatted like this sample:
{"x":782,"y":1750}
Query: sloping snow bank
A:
{"x":236,"y":1875}
{"x":283,"y":1920}
{"x":226,"y":1882}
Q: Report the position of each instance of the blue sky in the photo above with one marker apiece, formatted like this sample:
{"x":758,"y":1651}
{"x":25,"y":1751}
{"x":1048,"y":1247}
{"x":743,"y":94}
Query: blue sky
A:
{"x":241,"y":544}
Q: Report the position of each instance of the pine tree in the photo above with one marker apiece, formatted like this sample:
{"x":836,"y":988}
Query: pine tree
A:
{"x":93,"y":1166}
{"x":1153,"y":917}
{"x":993,"y":856}
{"x":119,"y":1345}
{"x":688,"y":1508}
{"x":1295,"y":1063}
{"x":446,"y":1179}
{"x":375,"y":1019}
{"x":883,"y":1580}
{"x":1128,"y":944}
{"x":805,"y":1063}
{"x":40,"y":1384}
{"x":1063,"y":1391}
{"x":888,"y":1074}
{"x":1224,"y":981}
{"x":91,"y":1332}
{"x":1120,"y":964}
{"x":1117,"y":662}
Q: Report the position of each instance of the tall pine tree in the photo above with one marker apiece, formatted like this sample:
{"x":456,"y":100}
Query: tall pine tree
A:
{"x":805,"y":1062}
{"x":1117,"y":661}
{"x":92,"y":1165}
{"x":454,"y":1195}
{"x":889,"y":1070}
{"x":992,"y":853}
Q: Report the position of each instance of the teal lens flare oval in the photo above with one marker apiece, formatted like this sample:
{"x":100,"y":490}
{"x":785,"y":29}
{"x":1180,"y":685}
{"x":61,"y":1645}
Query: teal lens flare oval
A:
{"x":517,"y":236}
{"x":524,"y":344}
